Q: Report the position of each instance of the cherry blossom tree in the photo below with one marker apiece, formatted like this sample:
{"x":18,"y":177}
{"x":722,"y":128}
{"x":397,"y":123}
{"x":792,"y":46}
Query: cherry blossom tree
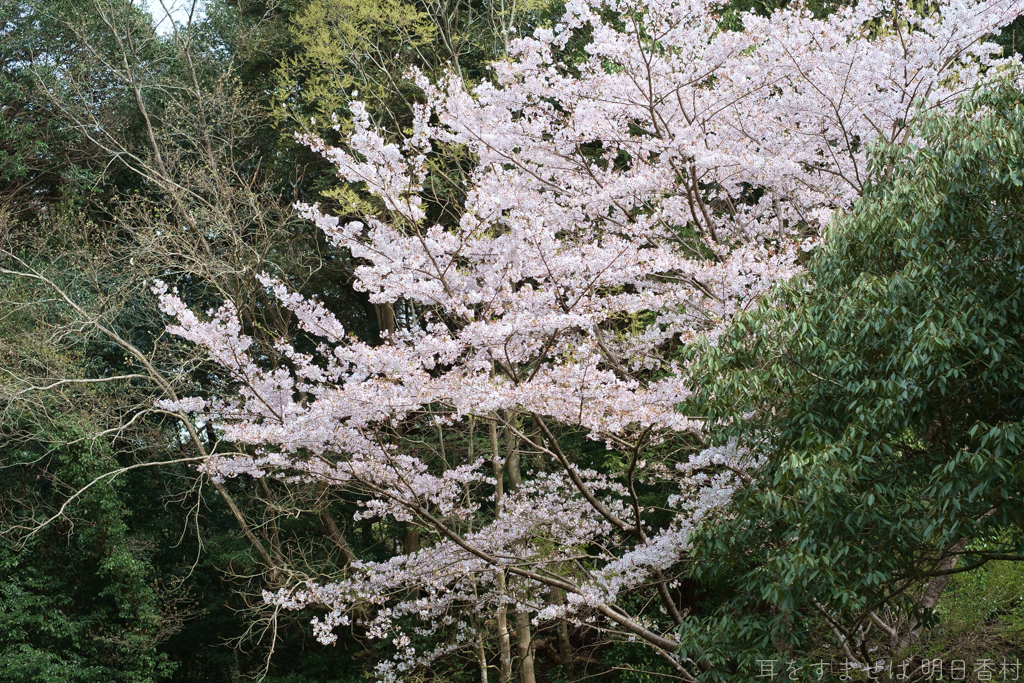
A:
{"x":641,"y":172}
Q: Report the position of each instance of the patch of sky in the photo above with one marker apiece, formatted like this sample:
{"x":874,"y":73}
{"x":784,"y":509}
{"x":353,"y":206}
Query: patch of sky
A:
{"x":167,"y":13}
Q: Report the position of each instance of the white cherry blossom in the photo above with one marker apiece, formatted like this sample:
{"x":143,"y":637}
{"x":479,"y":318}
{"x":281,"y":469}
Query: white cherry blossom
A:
{"x":617,"y":208}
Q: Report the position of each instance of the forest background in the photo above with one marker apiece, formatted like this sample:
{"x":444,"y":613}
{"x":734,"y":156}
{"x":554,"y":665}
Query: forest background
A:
{"x":127,"y":156}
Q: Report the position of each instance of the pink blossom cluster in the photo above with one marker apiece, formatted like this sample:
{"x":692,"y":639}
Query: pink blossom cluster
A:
{"x":621,"y":203}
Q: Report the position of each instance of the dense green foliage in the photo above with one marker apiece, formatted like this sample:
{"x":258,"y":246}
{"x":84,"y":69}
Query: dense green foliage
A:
{"x":885,"y":387}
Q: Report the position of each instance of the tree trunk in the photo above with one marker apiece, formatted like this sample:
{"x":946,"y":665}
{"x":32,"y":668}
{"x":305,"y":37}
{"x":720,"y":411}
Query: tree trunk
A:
{"x":504,"y":642}
{"x":564,"y":644}
{"x":385,"y":321}
{"x":932,"y":593}
{"x":565,"y":648}
{"x":411,"y":539}
{"x":481,"y":652}
{"x":524,"y":647}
